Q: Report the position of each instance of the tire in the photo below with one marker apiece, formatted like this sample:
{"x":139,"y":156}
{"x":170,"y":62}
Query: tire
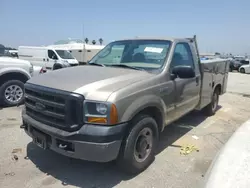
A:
{"x":242,"y":70}
{"x":57,"y":66}
{"x":12,"y":99}
{"x":230,"y":69}
{"x":212,"y":107}
{"x":129,"y":159}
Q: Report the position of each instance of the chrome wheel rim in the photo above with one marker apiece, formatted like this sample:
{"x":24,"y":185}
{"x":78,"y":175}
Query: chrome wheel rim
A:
{"x":143,"y":144}
{"x":13,"y":93}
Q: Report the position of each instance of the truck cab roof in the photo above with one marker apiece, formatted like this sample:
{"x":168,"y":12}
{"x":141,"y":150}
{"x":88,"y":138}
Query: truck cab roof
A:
{"x":159,"y":38}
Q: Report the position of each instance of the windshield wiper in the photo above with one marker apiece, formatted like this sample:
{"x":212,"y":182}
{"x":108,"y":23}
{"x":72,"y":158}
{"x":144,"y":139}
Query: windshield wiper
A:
{"x":97,"y":64}
{"x":126,"y":66}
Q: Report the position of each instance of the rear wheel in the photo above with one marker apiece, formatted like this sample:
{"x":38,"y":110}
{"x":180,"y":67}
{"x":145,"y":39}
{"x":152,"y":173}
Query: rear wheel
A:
{"x":242,"y":70}
{"x":12,"y":93}
{"x":212,"y":107}
{"x":138,"y":148}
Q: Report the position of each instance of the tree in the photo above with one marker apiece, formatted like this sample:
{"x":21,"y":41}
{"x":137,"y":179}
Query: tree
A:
{"x":93,"y":42}
{"x":86,"y":40}
{"x":101,"y":41}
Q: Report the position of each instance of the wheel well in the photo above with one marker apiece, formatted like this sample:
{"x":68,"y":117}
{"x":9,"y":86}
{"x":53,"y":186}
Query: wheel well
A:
{"x":13,"y":76}
{"x":57,"y":66}
{"x":218,"y":88}
{"x":155,"y":113}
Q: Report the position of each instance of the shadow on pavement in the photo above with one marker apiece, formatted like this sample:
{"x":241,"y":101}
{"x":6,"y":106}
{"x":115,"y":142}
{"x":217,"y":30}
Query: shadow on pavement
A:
{"x":75,"y":172}
{"x":178,"y":129}
{"x":92,"y":175}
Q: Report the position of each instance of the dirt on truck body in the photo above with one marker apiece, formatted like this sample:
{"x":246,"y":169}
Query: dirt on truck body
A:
{"x":116,"y":107}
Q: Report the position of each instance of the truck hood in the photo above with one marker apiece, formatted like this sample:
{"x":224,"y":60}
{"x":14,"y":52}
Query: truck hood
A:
{"x":14,"y":61}
{"x":95,"y":83}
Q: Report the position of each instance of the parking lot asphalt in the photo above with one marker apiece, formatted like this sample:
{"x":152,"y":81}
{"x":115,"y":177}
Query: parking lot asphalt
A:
{"x":22,"y":164}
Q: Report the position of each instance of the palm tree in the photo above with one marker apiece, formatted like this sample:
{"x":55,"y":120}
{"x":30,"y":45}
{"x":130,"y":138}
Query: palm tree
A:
{"x":86,"y":40}
{"x":101,"y":41}
{"x":93,"y":42}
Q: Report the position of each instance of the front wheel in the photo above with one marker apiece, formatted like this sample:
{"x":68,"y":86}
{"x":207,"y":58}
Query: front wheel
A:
{"x":57,"y":66}
{"x":12,"y":92}
{"x":138,"y":148}
{"x":242,"y":70}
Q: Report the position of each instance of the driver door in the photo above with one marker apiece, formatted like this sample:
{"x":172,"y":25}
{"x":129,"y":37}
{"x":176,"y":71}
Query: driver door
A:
{"x":51,"y":60}
{"x":187,"y":91}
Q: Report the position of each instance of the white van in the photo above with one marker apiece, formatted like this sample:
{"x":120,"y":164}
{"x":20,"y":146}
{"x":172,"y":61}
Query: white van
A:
{"x":47,"y":57}
{"x":82,"y":52}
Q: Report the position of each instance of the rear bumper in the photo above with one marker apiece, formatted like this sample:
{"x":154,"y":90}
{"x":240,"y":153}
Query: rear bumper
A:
{"x":91,"y":142}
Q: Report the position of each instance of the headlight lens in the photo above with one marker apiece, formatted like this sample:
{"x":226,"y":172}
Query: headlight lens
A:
{"x":101,"y":108}
{"x":100,"y":113}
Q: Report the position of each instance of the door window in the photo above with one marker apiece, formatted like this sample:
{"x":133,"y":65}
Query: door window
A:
{"x":52,"y":54}
{"x":182,"y":56}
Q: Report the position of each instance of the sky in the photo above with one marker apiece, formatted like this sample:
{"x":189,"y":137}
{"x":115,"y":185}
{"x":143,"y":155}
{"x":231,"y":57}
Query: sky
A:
{"x":221,"y":26}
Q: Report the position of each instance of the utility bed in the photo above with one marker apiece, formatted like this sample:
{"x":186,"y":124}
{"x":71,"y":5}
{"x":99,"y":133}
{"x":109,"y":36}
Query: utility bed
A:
{"x":213,"y":71}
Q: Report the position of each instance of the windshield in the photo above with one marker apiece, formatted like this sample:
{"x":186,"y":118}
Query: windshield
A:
{"x":64,"y":54}
{"x":142,"y":54}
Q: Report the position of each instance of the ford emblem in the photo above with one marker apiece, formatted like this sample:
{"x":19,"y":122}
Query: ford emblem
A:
{"x":40,"y":106}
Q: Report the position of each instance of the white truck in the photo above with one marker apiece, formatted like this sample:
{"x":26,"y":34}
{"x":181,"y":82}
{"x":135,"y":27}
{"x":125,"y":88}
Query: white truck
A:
{"x":47,"y":57}
{"x":13,"y":74}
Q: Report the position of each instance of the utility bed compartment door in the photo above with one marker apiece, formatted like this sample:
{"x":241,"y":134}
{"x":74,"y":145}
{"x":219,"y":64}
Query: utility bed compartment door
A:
{"x":214,"y":72}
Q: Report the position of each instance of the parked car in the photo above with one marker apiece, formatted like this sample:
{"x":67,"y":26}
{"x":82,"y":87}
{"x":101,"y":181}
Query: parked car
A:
{"x":116,"y":107}
{"x":245,"y":67}
{"x":47,"y":57}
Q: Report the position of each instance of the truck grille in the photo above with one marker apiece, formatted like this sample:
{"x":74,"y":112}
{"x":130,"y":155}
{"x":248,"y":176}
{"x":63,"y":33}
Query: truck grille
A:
{"x":54,"y":107}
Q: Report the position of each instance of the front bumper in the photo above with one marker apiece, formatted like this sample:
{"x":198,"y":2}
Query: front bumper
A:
{"x":91,"y":142}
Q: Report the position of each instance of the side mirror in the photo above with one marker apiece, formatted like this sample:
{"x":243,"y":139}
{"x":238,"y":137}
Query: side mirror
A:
{"x":183,"y":71}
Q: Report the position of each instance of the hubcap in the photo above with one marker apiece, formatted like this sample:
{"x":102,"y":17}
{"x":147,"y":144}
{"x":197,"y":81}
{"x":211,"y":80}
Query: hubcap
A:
{"x":143,"y":144}
{"x":13,"y":93}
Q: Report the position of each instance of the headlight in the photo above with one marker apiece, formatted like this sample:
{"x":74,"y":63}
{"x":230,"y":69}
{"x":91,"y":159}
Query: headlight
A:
{"x":101,"y":108}
{"x":100,"y":113}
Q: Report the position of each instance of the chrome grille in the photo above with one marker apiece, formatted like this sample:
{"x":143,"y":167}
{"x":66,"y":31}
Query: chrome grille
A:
{"x":54,"y":107}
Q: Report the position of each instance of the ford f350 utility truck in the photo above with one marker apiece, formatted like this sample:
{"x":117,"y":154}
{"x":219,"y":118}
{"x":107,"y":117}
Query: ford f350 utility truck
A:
{"x":116,"y":107}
